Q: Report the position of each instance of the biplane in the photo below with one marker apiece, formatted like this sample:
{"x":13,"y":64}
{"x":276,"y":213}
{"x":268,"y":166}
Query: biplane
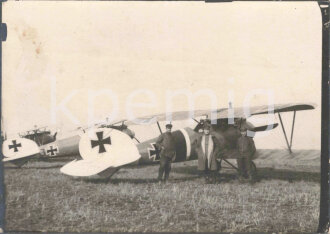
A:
{"x":41,"y":135}
{"x":32,"y":139}
{"x":105,"y":148}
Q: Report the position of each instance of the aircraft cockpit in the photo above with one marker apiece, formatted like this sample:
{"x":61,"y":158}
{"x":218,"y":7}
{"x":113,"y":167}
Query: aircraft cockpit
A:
{"x":123,"y":128}
{"x":40,"y":135}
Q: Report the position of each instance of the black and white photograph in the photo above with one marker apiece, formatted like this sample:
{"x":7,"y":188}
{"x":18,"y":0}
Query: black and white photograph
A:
{"x":161,"y":116}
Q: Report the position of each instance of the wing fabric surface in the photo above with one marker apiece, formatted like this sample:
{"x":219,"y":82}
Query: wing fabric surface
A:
{"x":222,"y":113}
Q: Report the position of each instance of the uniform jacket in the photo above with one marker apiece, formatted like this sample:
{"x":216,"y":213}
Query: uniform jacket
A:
{"x":212,"y":152}
{"x":166,"y":143}
{"x":246,"y":147}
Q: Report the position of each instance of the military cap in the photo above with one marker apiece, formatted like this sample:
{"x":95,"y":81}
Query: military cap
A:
{"x":168,"y":125}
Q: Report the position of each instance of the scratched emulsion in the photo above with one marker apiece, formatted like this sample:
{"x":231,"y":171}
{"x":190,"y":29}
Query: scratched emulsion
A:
{"x":25,"y":66}
{"x":31,"y":52}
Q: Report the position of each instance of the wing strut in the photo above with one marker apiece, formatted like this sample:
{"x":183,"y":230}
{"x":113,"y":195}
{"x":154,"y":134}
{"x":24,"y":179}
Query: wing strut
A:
{"x":159,"y":128}
{"x":230,"y":164}
{"x":196,"y":120}
{"x":137,"y":140}
{"x":292,"y":128}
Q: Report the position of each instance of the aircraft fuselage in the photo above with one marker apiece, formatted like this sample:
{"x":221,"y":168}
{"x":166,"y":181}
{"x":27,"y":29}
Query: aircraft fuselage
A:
{"x":184,"y":139}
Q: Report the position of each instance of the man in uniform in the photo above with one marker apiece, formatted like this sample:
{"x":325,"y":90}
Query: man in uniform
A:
{"x":207,"y":150}
{"x":166,"y":144}
{"x":246,"y":150}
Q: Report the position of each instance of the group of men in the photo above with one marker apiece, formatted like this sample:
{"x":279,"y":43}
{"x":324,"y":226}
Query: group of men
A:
{"x":209,"y":150}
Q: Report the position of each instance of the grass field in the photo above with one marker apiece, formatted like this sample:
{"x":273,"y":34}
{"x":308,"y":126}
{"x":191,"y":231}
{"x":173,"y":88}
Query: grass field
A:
{"x":286,"y":199}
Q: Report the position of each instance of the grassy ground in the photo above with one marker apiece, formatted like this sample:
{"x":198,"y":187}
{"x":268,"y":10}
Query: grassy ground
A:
{"x":286,"y":199}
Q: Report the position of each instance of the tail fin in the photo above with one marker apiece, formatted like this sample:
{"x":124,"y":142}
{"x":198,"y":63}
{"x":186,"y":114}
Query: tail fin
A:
{"x":17,"y":149}
{"x":103,"y":150}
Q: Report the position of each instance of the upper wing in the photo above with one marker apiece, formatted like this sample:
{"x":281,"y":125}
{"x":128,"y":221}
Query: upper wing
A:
{"x":176,"y":115}
{"x":245,"y":112}
{"x":222,"y":113}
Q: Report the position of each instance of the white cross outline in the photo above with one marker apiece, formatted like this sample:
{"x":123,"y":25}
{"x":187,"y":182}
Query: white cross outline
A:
{"x":154,"y":149}
{"x":55,"y":150}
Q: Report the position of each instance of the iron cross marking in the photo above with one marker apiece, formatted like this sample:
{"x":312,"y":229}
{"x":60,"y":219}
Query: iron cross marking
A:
{"x":15,"y":146}
{"x":154,"y":152}
{"x":52,"y":151}
{"x":101,"y":142}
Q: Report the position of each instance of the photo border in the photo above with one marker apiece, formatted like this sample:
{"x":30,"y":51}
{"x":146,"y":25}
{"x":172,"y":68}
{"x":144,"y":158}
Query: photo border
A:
{"x":324,"y":215}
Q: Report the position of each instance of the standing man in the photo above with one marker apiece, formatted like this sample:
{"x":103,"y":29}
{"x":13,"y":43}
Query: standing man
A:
{"x":166,"y":144}
{"x":246,"y":150}
{"x":207,"y":150}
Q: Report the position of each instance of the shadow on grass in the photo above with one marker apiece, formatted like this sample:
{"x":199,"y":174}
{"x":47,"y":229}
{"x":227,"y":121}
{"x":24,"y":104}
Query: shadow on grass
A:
{"x":188,"y":170}
{"x":263,"y":174}
{"x":287,"y":175}
{"x":192,"y":170}
{"x":56,"y":160}
{"x":30,"y":168}
{"x":132,"y":180}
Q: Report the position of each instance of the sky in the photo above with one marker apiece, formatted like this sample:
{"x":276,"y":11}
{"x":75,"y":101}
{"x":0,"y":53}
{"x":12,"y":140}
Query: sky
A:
{"x":66,"y":63}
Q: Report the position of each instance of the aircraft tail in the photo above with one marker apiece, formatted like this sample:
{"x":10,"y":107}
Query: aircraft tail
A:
{"x":18,"y":150}
{"x":104,"y":151}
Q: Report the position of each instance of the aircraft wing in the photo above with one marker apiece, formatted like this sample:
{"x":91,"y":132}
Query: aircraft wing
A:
{"x":222,"y":113}
{"x":241,"y":112}
{"x":173,"y":116}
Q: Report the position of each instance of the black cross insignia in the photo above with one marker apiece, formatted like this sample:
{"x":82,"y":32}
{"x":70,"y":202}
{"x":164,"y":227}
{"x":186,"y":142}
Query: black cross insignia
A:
{"x":15,"y":146}
{"x":101,"y":142}
{"x":154,"y":152}
{"x":52,"y":151}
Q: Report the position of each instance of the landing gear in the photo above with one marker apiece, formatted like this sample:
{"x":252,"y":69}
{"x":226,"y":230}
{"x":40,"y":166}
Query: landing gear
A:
{"x":253,"y":165}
